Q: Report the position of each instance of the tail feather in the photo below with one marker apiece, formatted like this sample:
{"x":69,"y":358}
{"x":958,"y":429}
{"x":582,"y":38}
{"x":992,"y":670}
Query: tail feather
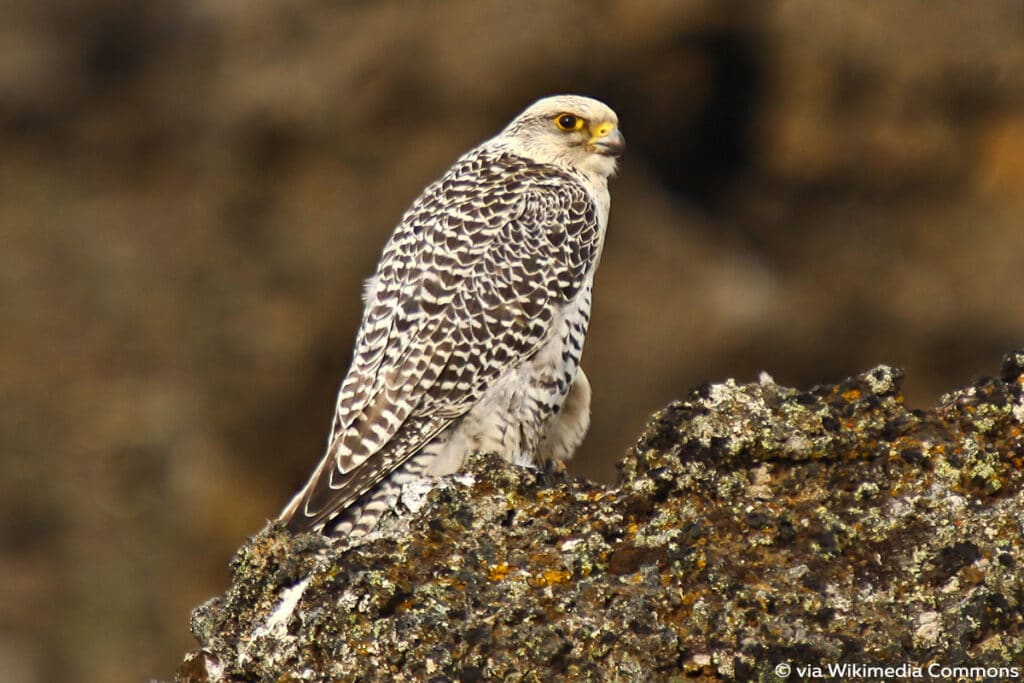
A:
{"x":363,"y":514}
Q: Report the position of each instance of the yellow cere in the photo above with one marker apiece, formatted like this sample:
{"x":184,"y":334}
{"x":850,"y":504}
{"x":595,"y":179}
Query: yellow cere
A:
{"x":602,"y":129}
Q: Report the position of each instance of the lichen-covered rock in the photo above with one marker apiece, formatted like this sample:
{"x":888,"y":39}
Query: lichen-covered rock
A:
{"x":753,"y":525}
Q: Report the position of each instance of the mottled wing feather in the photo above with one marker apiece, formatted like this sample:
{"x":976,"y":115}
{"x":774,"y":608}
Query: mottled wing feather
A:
{"x":466,"y":289}
{"x":384,"y":430}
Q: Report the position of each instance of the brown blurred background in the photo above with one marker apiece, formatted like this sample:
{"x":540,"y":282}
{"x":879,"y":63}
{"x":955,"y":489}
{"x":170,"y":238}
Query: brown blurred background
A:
{"x":192,"y":192}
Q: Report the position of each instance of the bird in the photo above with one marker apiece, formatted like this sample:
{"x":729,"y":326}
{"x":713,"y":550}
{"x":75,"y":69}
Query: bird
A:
{"x":474,"y":321}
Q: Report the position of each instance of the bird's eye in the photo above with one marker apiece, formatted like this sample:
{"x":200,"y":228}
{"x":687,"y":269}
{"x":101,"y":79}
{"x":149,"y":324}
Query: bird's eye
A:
{"x":569,"y":122}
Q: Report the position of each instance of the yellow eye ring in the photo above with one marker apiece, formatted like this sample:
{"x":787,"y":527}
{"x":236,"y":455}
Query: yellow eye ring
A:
{"x":569,"y":122}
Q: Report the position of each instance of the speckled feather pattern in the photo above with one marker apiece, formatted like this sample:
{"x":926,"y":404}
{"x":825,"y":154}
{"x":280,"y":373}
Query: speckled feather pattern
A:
{"x":471,"y":335}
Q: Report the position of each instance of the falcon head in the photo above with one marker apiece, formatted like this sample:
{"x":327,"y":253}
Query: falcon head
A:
{"x":569,"y":131}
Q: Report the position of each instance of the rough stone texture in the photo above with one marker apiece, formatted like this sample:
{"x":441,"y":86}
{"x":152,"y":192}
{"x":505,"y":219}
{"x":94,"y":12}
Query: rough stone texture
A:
{"x":752,"y":524}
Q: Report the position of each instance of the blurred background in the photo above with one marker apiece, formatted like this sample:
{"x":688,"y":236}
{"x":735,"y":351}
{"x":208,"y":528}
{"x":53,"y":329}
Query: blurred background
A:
{"x":191,"y":194}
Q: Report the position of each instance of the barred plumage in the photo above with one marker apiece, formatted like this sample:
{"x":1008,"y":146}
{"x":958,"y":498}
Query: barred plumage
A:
{"x":475,"y":319}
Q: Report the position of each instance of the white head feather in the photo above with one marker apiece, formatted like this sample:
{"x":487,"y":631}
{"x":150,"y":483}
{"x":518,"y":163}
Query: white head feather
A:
{"x":566,"y":130}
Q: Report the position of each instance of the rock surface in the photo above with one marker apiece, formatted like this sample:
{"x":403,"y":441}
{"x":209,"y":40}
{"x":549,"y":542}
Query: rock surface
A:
{"x":752,"y":525}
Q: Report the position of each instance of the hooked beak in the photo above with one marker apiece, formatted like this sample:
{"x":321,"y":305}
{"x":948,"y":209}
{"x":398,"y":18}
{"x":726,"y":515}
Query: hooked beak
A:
{"x":607,"y":140}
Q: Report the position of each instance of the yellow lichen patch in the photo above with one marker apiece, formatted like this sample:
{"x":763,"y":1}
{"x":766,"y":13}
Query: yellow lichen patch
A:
{"x":548,"y":495}
{"x":451,"y":582}
{"x":851,"y":395}
{"x":550,"y":577}
{"x":498,"y":572}
{"x":700,"y":561}
{"x":689,"y":598}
